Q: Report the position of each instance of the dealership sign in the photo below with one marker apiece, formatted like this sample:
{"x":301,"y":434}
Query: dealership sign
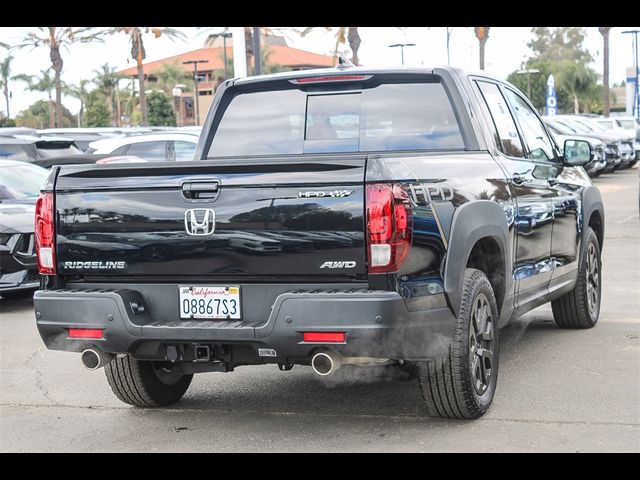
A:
{"x":552,"y":105}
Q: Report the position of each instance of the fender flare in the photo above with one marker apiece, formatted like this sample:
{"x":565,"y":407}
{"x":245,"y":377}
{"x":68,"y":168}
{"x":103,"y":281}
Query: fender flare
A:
{"x":591,"y":202}
{"x":472,"y":222}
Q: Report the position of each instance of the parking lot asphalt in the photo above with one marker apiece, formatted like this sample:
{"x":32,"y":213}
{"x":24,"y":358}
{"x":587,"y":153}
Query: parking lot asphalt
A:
{"x":558,"y":390}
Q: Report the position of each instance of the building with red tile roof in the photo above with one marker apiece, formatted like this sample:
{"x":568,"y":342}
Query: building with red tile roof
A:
{"x":212,"y":72}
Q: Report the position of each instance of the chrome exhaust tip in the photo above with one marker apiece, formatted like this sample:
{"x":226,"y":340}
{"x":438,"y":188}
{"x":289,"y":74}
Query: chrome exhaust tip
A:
{"x":95,"y":359}
{"x":325,"y":363}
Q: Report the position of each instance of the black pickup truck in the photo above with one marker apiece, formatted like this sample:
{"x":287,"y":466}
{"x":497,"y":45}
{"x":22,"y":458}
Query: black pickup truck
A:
{"x":342,"y":216}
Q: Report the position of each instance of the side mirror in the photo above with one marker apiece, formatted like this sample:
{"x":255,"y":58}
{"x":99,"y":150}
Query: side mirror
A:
{"x":577,"y":153}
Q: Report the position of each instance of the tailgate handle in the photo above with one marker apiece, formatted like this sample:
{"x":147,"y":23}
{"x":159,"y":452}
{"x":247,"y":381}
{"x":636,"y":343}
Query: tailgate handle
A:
{"x":197,"y":190}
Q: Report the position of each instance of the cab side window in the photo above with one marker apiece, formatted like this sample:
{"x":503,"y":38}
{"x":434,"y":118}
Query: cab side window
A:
{"x":539,"y":145}
{"x":507,"y":137}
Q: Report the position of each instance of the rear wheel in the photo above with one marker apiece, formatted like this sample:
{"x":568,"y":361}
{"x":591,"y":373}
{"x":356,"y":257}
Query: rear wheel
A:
{"x":462,"y":385}
{"x":145,"y":383}
{"x":580,"y":308}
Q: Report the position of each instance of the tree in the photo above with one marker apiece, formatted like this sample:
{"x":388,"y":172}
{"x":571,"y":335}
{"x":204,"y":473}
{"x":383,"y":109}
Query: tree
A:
{"x":562,"y":43}
{"x":172,"y":74}
{"x":160,"y":110}
{"x":539,"y":86}
{"x":605,"y":71}
{"x":342,"y":35}
{"x":5,"y":76}
{"x":6,"y":122}
{"x":37,"y":116}
{"x":267,"y":65}
{"x":577,"y":79}
{"x":97,"y":110}
{"x":560,"y":51}
{"x":482,"y":34}
{"x":57,"y":38}
{"x":81,"y":93}
{"x":43,"y":83}
{"x":138,"y":54}
{"x":107,"y":82}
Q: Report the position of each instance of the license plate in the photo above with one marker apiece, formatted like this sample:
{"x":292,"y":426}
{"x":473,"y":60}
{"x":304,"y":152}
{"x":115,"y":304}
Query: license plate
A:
{"x":210,"y":302}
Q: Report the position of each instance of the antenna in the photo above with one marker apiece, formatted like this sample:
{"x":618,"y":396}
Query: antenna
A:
{"x":344,"y":62}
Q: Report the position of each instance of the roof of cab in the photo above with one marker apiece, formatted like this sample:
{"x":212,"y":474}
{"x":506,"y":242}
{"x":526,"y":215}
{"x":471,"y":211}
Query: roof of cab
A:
{"x":358,"y":71}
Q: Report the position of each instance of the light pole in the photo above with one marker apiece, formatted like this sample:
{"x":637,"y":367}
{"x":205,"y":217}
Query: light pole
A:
{"x":224,"y":36}
{"x":528,"y":71}
{"x":402,"y":45}
{"x":257,"y":56}
{"x":195,"y":78}
{"x":636,"y":98}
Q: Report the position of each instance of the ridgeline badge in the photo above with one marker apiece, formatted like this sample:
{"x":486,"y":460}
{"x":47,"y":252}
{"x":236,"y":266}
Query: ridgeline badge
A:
{"x":95,"y":265}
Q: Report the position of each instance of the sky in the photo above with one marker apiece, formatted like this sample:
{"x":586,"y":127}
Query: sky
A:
{"x":506,"y":49}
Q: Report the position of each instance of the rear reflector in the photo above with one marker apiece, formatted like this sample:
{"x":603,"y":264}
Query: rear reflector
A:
{"x":85,"y":332}
{"x":326,"y":337}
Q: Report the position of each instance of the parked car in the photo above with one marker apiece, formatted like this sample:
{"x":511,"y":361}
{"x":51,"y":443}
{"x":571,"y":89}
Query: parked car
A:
{"x":557,"y":124}
{"x":34,"y":149}
{"x":81,"y":136}
{"x":595,"y":167}
{"x":19,"y":187}
{"x":120,"y":159}
{"x":437,"y":208}
{"x":628,"y":124}
{"x":627,"y":150}
{"x":153,"y":147}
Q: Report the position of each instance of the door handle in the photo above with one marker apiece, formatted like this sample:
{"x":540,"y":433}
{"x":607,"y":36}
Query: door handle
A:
{"x":518,"y":179}
{"x":200,"y":190}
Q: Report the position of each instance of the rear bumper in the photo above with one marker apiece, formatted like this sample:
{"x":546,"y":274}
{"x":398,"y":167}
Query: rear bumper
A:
{"x":376,"y":323}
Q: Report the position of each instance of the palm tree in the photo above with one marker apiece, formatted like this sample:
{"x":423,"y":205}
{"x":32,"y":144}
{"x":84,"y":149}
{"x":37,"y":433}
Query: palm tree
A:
{"x":138,"y":54}
{"x":5,"y":76}
{"x":576,"y":78}
{"x":605,"y":71}
{"x":342,"y":35}
{"x":482,"y":34}
{"x":172,"y":74}
{"x":57,"y":38}
{"x":81,"y":93}
{"x":107,"y":82}
{"x":43,"y":83}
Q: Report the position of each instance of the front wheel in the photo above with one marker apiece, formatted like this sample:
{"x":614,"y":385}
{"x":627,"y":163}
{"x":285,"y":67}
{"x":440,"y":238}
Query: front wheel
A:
{"x":462,"y":385}
{"x":580,"y":308}
{"x":145,"y":383}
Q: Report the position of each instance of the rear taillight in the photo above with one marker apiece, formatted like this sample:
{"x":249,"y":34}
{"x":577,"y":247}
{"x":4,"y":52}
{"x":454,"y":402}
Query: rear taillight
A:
{"x":332,"y":78}
{"x":388,"y":227}
{"x":45,"y":235}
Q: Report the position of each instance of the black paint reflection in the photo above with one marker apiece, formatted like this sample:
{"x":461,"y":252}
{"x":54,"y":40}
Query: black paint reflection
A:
{"x":256,"y":232}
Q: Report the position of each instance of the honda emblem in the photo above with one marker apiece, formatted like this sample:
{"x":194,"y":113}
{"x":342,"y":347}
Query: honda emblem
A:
{"x":200,"y":221}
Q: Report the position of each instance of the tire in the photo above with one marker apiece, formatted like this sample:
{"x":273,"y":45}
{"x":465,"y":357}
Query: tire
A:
{"x":145,"y":383}
{"x":457,"y":386}
{"x":580,"y":308}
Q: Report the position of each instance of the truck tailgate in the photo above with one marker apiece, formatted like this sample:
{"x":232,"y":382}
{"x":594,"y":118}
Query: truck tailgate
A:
{"x":231,"y":218}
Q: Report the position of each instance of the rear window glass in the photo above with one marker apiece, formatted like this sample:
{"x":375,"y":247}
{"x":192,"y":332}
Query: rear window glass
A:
{"x":400,"y":116}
